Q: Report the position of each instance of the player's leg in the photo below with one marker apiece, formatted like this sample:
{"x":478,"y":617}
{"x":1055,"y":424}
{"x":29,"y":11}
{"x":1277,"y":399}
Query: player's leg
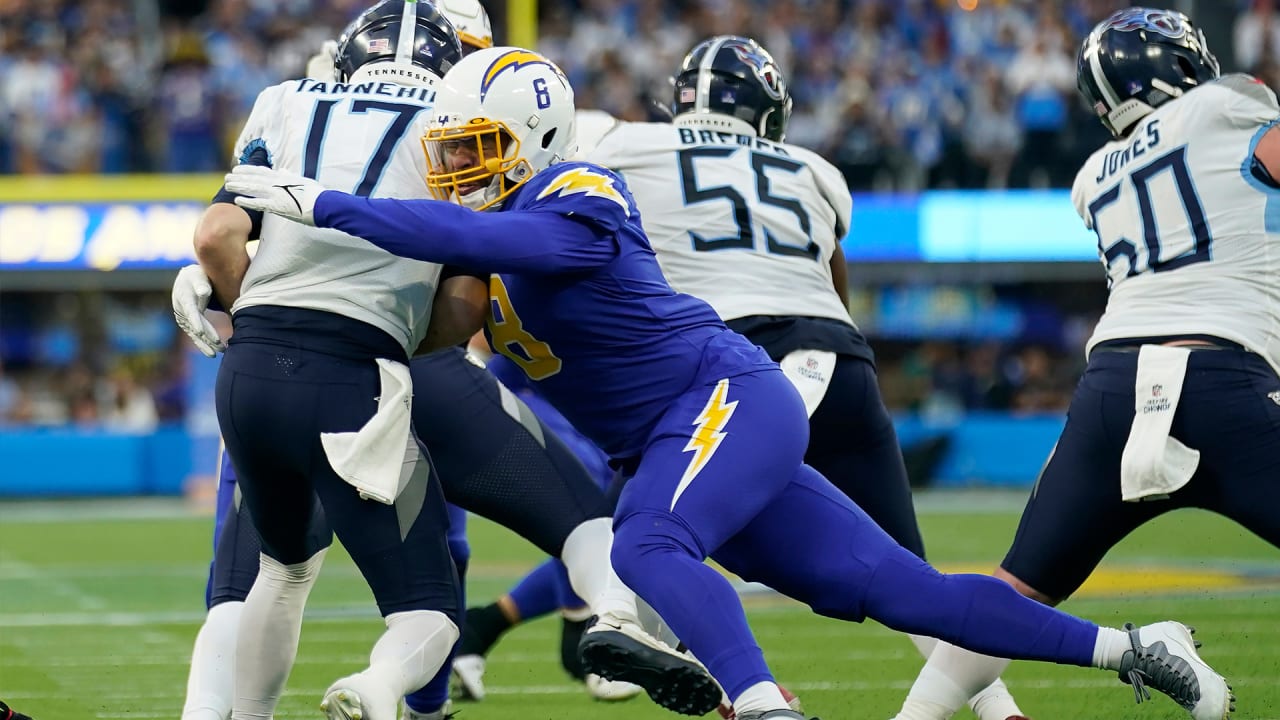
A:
{"x":853,"y":443}
{"x":714,"y":463}
{"x":497,"y":460}
{"x":796,"y":550}
{"x":1235,"y":422}
{"x":210,"y":682}
{"x":1074,"y":516}
{"x":431,"y":700}
{"x":273,"y":405}
{"x":269,"y":433}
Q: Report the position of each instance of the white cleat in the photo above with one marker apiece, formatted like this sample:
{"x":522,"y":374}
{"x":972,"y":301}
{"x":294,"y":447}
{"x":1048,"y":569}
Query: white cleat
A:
{"x":359,"y":697}
{"x":611,"y":690}
{"x":1164,"y":657}
{"x":469,"y":670}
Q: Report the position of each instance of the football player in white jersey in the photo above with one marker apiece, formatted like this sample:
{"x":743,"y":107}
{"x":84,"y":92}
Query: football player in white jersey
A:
{"x":1180,"y":403}
{"x":320,"y":348}
{"x":753,"y":225}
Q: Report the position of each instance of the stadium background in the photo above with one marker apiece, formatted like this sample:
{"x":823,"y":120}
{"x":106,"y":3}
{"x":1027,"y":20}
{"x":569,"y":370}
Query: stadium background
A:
{"x":957,"y":126}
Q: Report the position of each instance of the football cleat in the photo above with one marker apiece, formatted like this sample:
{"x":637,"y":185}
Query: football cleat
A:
{"x":619,"y":650}
{"x":359,"y":697}
{"x":1164,"y":658}
{"x":793,"y":702}
{"x":469,"y":671}
{"x":8,"y":713}
{"x":773,"y":715}
{"x":610,"y":690}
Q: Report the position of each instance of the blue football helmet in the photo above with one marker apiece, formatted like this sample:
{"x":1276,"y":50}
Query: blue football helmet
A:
{"x":397,"y":40}
{"x":734,"y":76}
{"x":1139,"y":59}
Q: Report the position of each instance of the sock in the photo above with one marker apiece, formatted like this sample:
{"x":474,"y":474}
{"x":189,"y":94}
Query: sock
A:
{"x":267,"y":642}
{"x":1109,"y":647}
{"x":537,"y":593}
{"x":211,"y":680}
{"x":977,"y":612}
{"x":413,"y":649}
{"x":484,"y":625}
{"x":617,"y":600}
{"x":760,"y":697}
{"x":967,"y":670}
{"x":654,"y":555}
{"x":576,"y":614}
{"x":570,"y":633}
{"x":953,"y":676}
{"x":586,"y":559}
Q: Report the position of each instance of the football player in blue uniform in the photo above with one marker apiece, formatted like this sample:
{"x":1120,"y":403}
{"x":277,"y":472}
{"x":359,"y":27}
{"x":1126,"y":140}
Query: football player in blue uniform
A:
{"x":546,"y":588}
{"x":492,"y":450}
{"x":711,"y":432}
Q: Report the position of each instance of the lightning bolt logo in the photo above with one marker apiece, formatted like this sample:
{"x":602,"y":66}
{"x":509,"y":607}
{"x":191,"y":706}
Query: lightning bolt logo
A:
{"x":583,"y":180}
{"x":511,"y":60}
{"x":707,"y":435}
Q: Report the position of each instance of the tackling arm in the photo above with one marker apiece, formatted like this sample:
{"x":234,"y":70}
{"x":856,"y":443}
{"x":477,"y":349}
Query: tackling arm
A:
{"x":516,"y":241}
{"x":220,"y":241}
{"x":460,"y":308}
{"x":1266,"y":157}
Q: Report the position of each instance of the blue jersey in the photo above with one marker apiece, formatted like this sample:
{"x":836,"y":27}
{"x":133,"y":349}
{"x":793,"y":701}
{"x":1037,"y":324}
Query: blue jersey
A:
{"x":577,"y":298}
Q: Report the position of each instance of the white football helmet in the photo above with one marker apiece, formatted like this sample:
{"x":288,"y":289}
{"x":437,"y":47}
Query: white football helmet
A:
{"x":501,"y":115}
{"x":471,"y":22}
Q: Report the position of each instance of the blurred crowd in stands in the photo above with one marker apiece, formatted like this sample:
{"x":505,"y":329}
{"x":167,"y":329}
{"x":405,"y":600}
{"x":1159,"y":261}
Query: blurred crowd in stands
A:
{"x":116,"y":361}
{"x":901,"y":94}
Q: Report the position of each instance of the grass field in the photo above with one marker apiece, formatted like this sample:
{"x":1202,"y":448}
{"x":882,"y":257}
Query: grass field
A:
{"x":99,"y":603}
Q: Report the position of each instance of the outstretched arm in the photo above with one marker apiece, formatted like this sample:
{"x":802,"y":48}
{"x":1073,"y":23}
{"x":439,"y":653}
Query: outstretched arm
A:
{"x":436,"y":231}
{"x":520,"y":241}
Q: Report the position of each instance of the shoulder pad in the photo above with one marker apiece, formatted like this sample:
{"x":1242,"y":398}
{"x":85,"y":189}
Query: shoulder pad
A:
{"x":582,"y":189}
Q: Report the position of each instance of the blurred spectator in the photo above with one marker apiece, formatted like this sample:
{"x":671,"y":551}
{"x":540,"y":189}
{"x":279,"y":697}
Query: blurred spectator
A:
{"x":102,"y":85}
{"x":1257,"y":36}
{"x":131,"y":406}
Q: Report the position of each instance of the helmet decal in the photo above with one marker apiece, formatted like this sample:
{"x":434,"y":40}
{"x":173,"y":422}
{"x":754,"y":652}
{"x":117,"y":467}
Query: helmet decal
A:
{"x":511,"y":60}
{"x":1138,"y":18}
{"x":762,"y":64}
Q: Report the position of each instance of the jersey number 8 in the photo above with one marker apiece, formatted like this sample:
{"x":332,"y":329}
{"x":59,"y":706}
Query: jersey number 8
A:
{"x":508,"y":336}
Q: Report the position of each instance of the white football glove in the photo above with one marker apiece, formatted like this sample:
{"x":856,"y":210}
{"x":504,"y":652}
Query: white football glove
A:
{"x":191,"y":293}
{"x":278,"y":192}
{"x":320,"y":66}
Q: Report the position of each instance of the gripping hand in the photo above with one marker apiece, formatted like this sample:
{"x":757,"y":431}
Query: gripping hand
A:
{"x":275,"y":191}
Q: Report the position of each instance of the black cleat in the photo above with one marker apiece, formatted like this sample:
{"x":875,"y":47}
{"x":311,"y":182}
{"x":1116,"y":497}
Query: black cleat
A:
{"x":8,"y":713}
{"x":622,"y":651}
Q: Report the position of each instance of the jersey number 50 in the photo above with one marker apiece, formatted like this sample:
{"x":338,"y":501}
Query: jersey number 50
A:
{"x":1174,"y":161}
{"x":745,"y":239}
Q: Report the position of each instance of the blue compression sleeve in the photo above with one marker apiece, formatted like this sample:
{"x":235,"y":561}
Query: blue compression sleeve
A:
{"x":441,"y":232}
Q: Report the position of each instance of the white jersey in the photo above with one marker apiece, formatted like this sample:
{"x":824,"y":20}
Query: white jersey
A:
{"x":361,"y":138}
{"x":746,"y":224}
{"x":1189,"y":238}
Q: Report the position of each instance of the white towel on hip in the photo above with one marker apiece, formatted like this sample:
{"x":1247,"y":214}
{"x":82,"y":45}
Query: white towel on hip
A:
{"x":1154,"y":464}
{"x":378,"y":459}
{"x":810,"y":371}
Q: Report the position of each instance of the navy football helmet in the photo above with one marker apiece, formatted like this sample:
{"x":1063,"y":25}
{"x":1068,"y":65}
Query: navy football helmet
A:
{"x":734,"y":76}
{"x":397,"y":40}
{"x":1139,"y":59}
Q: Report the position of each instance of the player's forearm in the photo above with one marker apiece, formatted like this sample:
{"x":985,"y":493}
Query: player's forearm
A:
{"x":220,"y":241}
{"x":458,"y":312}
{"x":442,"y":232}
